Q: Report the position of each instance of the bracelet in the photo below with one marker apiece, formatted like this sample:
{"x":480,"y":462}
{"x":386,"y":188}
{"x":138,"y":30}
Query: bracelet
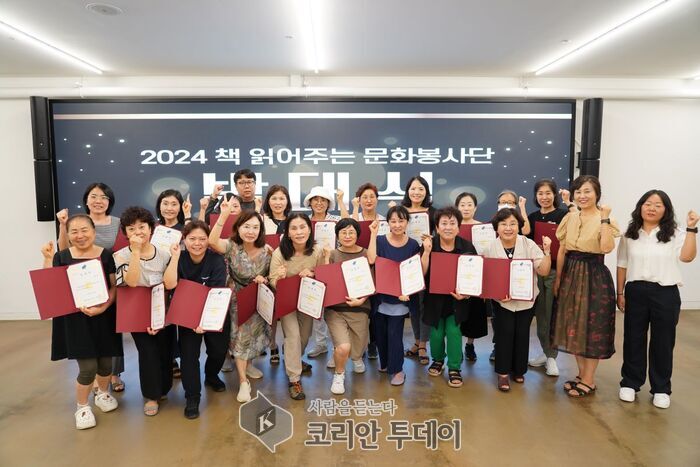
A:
{"x":605,"y":221}
{"x":691,"y":229}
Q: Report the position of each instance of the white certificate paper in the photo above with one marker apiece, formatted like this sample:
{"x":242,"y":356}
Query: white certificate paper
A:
{"x":411,"y":272}
{"x":470,"y":275}
{"x":158,"y":307}
{"x":87,"y":283}
{"x":163,"y":237}
{"x":215,"y":309}
{"x":522,"y":279}
{"x":324,"y":234}
{"x":266,"y":303}
{"x":311,"y":294}
{"x":358,"y":277}
{"x":383,"y":228}
{"x":418,"y":225}
{"x":482,"y":236}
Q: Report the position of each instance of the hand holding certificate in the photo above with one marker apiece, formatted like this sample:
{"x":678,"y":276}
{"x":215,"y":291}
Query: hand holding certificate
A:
{"x":310,"y":299}
{"x":215,"y":309}
{"x":411,"y":272}
{"x":87,"y":283}
{"x":158,"y":307}
{"x":196,"y":306}
{"x":521,"y":279}
{"x":164,"y":236}
{"x":418,"y":225}
{"x":265,"y":303}
{"x":358,"y":277}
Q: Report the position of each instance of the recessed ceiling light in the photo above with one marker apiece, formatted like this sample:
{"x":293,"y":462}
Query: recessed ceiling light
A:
{"x":104,"y":9}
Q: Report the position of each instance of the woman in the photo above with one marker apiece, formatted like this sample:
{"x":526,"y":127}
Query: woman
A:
{"x":475,"y":325}
{"x":210,"y":204}
{"x":445,"y":313}
{"x":391,"y":311}
{"x":98,"y":200}
{"x":296,"y":255}
{"x":549,"y":211}
{"x":89,"y":337}
{"x":201,"y":265}
{"x":143,"y":265}
{"x":513,"y":317}
{"x":248,"y":261}
{"x":348,"y":322}
{"x":366,"y":197}
{"x":510,"y":199}
{"x":275,"y":209}
{"x":648,"y":276}
{"x":583,"y":321}
{"x":416,"y":199}
{"x":172,"y":211}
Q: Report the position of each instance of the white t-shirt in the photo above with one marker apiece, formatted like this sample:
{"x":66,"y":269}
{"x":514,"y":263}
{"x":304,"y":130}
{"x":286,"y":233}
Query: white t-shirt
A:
{"x":647,"y":259}
{"x":152,"y":269}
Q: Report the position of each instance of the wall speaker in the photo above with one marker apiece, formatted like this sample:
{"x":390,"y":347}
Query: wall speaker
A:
{"x":592,"y":127}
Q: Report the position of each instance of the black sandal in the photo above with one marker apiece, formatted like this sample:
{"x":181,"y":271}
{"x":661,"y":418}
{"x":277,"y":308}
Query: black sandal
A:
{"x":274,"y":356}
{"x":580,"y":392}
{"x":572,"y":383}
{"x":423,"y":359}
{"x":436,"y":368}
{"x":413,"y":353}
{"x":454,"y":379}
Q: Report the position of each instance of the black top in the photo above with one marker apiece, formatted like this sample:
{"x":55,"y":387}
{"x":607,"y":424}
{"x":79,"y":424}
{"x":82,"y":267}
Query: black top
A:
{"x":80,"y":336}
{"x":211,"y":271}
{"x":555,"y":217}
{"x":438,"y":306}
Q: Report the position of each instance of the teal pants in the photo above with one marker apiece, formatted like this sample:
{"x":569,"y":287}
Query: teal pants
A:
{"x":447,"y":328}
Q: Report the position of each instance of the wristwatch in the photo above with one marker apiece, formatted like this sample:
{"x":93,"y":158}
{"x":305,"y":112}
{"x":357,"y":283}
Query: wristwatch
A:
{"x":691,"y":229}
{"x":605,"y":221}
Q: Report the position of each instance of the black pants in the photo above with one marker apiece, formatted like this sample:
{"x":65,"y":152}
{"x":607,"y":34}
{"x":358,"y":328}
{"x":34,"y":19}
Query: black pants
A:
{"x":649,"y":304}
{"x":389,"y":335}
{"x":216,"y":344}
{"x":155,"y":362}
{"x":512,"y":336}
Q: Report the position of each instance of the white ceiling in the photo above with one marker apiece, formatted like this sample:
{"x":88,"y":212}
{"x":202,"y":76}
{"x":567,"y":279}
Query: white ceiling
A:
{"x":496,"y":38}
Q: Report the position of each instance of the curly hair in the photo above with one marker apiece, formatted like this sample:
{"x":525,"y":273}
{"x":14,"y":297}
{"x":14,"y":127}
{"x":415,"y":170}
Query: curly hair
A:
{"x":134,"y":214}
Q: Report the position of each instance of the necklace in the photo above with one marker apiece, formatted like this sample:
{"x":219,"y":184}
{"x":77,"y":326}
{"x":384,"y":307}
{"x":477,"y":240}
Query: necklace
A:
{"x":509,"y":252}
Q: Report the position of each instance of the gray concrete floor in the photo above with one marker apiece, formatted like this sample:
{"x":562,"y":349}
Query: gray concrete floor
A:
{"x":534,"y":424}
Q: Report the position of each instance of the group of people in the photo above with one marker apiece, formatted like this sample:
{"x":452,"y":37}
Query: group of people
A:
{"x":574,"y":294}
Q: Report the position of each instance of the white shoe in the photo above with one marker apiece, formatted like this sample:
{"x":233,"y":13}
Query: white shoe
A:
{"x":662,"y":401}
{"x":316,"y":351}
{"x":227,"y":367}
{"x":338,"y":384}
{"x":84,"y":418}
{"x":106,"y":402}
{"x":358,"y":366}
{"x":252,"y":372}
{"x":330,"y":363}
{"x":244,"y":392}
{"x":551,"y":367}
{"x":627,"y":394}
{"x":540,"y":360}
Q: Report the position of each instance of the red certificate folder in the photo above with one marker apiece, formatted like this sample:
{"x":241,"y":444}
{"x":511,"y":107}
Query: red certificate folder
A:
{"x":246,"y":302}
{"x":120,"y":242}
{"x":547,"y":229}
{"x":365,"y":234}
{"x":187,"y":304}
{"x":496,"y":278}
{"x":228,"y":225}
{"x":273,"y":240}
{"x":52,"y":292}
{"x":332,"y":276}
{"x":443,"y":273}
{"x":387,"y":274}
{"x":286,"y":295}
{"x":133,"y":309}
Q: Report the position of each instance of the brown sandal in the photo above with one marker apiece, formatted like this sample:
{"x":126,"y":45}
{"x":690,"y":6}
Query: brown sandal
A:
{"x":423,"y":359}
{"x":503,"y":383}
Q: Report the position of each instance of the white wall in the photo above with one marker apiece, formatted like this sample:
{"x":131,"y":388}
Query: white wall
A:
{"x":646,"y":144}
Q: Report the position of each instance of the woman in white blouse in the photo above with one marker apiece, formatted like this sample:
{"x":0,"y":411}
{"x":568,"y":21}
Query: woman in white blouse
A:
{"x":648,"y":276}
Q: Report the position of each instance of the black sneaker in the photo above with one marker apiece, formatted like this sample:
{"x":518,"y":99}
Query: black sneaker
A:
{"x":296,"y":392}
{"x":305,"y":367}
{"x":469,"y":352}
{"x":192,"y":409}
{"x":372,"y":353}
{"x":215,"y":383}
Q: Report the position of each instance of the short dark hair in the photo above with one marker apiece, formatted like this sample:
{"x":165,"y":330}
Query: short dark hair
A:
{"x":286,"y":246}
{"x":178,"y":196}
{"x":194,"y":225}
{"x":448,"y":211}
{"x":427,"y":202}
{"x":367,"y":186}
{"x":504,"y":214}
{"x":345,"y":223}
{"x":580,"y":180}
{"x":552,"y":186}
{"x":242,"y":219}
{"x":275,"y":189}
{"x":247,"y":173}
{"x":134,"y":214}
{"x":667,"y":224}
{"x":105,"y":189}
{"x":463,"y":195}
{"x":76,"y":217}
{"x":399,"y":210}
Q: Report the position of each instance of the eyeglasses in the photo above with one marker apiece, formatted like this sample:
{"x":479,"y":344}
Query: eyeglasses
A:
{"x":100,"y":197}
{"x":245,"y":182}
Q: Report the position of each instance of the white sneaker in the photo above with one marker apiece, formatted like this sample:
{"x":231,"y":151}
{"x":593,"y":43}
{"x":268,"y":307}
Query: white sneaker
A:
{"x":316,"y":351}
{"x":106,"y":402}
{"x":252,"y":372}
{"x":338,"y":384}
{"x":358,"y":366}
{"x":627,"y":394}
{"x":662,"y":401}
{"x":84,"y":418}
{"x":551,"y":367}
{"x":538,"y":361}
{"x":244,"y":392}
{"x":330,"y":363}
